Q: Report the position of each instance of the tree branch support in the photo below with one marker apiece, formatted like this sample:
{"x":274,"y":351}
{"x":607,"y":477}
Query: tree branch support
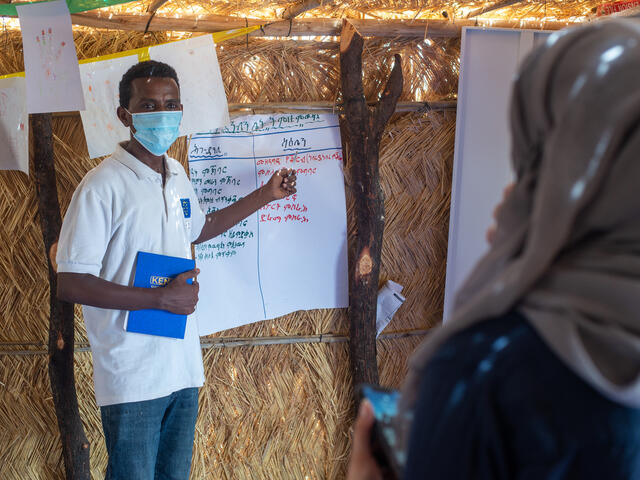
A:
{"x":365,"y":126}
{"x":75,"y":446}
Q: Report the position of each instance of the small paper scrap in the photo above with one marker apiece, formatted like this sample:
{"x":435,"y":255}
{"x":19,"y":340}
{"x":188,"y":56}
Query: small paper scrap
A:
{"x":389,"y":301}
{"x":616,"y":7}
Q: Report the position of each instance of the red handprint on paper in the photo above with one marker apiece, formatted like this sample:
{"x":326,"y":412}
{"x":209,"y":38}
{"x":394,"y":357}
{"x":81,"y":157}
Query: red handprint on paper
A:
{"x":50,"y":51}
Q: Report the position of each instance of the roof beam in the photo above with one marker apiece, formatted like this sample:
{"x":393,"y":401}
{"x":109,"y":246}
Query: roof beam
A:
{"x":239,"y":109}
{"x":304,"y":26}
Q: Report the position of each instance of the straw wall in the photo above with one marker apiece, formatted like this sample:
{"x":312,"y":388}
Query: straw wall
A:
{"x":278,"y":411}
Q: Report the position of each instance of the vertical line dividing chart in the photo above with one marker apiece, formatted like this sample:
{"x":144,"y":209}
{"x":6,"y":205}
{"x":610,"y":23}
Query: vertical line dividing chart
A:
{"x":255,"y":165}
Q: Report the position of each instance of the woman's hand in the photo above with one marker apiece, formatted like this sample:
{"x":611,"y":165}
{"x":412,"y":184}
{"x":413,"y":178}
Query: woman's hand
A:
{"x":491,"y":231}
{"x":362,"y":465}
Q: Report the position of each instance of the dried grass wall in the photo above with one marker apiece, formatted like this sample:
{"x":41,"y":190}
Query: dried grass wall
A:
{"x":277,"y":411}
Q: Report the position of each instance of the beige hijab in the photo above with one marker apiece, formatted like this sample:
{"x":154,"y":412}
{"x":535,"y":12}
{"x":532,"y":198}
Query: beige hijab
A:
{"x":567,"y":246}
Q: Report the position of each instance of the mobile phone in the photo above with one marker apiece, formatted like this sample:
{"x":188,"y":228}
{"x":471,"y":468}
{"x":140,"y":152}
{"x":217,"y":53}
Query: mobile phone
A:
{"x":387,"y":434}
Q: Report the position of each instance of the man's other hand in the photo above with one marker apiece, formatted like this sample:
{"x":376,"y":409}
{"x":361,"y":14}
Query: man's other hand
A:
{"x":178,"y":296}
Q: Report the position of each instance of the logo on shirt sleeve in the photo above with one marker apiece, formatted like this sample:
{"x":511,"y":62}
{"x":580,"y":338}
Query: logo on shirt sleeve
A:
{"x":186,"y":207}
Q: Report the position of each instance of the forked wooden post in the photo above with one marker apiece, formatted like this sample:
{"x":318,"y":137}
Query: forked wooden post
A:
{"x":365,"y":127}
{"x":75,"y":446}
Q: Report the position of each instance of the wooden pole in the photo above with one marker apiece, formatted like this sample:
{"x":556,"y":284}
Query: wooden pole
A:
{"x":75,"y":446}
{"x":303,"y":6}
{"x":33,"y":348}
{"x":365,"y":127}
{"x":304,"y":26}
{"x":490,"y":8}
{"x":331,"y":107}
{"x":238,"y":109}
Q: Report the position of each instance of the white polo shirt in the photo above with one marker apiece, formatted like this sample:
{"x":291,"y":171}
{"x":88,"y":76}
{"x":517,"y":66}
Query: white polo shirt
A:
{"x":119,"y":209}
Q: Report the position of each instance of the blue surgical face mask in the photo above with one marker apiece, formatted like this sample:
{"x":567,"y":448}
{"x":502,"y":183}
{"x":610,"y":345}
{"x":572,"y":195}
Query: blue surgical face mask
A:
{"x":156,"y":131}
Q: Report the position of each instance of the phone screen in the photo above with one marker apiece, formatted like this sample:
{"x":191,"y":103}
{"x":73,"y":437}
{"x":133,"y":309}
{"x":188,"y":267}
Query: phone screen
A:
{"x":385,"y":410}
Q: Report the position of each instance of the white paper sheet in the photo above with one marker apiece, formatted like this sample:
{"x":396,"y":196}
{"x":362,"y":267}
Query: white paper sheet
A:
{"x":50,"y":60}
{"x":100,"y":81}
{"x":290,"y":255}
{"x":390,"y":299}
{"x":201,"y":90}
{"x":14,"y":125}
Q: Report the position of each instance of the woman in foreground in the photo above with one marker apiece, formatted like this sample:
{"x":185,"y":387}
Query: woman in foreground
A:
{"x":537,"y":374}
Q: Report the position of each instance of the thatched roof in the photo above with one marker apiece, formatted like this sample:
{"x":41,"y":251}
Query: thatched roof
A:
{"x":564,"y":10}
{"x":202,"y":15}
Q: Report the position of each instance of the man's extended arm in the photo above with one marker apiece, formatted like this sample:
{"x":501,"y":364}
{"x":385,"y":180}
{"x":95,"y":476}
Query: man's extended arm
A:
{"x":280,"y":185}
{"x":178,"y":296}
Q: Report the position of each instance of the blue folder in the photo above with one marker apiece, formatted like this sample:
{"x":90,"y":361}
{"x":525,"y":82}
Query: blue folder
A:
{"x":153,"y":270}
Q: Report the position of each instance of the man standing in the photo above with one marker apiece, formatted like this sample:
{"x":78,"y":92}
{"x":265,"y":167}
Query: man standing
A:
{"x":139,"y":199}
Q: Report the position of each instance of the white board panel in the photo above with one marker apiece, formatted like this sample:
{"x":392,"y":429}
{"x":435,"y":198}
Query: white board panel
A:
{"x":481,"y":168}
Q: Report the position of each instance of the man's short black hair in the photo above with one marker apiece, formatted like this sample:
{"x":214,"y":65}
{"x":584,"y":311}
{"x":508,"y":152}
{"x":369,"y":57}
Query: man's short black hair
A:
{"x":148,"y":68}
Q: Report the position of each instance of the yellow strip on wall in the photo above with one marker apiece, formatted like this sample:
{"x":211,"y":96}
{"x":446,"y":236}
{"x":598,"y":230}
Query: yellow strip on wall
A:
{"x":12,"y":75}
{"x":138,"y":51}
{"x":236,"y":32}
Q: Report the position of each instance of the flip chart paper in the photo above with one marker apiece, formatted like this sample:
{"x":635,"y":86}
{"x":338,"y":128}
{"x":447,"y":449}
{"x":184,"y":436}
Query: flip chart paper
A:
{"x":201,"y":89}
{"x":51,"y":63}
{"x":14,"y":125}
{"x":100,"y":81}
{"x":290,"y":255}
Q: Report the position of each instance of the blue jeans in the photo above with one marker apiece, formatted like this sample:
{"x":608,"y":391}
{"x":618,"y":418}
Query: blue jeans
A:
{"x":153,"y":439}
